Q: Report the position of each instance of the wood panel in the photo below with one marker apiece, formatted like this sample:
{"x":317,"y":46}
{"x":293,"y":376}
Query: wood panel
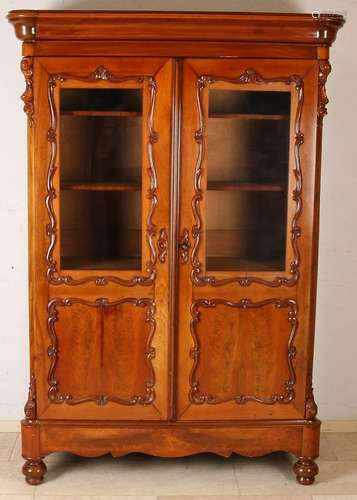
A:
{"x":175,"y":440}
{"x":171,"y":49}
{"x":243,"y":352}
{"x":93,"y":344}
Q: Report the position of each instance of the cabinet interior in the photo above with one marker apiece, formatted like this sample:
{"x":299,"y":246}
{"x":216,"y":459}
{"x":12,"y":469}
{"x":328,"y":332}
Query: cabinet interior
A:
{"x":247,"y":180}
{"x":101,"y":165}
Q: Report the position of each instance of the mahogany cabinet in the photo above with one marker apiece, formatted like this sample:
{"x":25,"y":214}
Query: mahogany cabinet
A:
{"x":174,"y":176}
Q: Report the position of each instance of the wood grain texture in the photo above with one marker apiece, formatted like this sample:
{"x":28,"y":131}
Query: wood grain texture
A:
{"x":238,"y":359}
{"x":106,"y":338}
{"x":175,"y":440}
{"x":176,"y":48}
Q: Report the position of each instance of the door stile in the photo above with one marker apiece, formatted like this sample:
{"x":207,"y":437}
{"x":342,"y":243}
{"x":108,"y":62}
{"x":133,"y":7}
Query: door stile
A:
{"x":177,"y":88}
{"x":163,"y":123}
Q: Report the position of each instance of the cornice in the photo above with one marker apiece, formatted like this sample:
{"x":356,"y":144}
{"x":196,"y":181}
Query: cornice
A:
{"x":43,"y":25}
{"x":24,"y":23}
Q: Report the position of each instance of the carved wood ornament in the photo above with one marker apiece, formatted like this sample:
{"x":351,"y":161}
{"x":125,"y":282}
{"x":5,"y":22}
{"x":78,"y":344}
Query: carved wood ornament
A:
{"x":53,"y":276}
{"x":30,"y":406}
{"x":162,"y":244}
{"x":184,"y":246}
{"x":196,"y":397}
{"x":324,"y":71}
{"x":197,"y":276}
{"x":310,"y":405}
{"x":54,"y":394}
{"x":27,"y":97}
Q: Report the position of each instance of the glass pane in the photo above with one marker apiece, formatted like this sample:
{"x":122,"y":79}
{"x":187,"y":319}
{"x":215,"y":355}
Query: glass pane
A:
{"x":248,"y":164}
{"x":101,"y":148}
{"x":100,"y":230}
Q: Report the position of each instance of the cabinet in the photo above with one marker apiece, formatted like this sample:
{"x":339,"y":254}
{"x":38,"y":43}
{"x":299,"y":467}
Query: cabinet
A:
{"x":174,"y":174}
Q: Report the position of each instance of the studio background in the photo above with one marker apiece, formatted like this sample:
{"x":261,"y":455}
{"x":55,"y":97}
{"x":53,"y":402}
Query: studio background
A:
{"x":335,"y":370}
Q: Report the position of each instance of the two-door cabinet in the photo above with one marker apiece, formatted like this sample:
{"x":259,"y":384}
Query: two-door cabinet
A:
{"x":174,"y":176}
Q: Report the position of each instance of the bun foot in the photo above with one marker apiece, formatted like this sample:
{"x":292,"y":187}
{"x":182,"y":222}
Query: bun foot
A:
{"x":34,"y":471}
{"x":306,"y":470}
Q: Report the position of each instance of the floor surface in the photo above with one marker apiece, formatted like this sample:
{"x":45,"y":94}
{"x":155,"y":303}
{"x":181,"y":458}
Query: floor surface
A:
{"x":201,"y":477}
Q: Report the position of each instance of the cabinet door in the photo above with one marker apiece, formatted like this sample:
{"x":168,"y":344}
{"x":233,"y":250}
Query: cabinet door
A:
{"x":247,"y":145}
{"x":100,"y":190}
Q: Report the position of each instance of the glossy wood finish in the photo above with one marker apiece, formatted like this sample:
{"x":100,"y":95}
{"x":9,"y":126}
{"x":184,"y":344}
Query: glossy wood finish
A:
{"x":179,"y":353}
{"x":94,"y":25}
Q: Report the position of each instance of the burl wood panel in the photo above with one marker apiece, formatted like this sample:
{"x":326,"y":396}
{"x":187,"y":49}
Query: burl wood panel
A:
{"x":101,"y":351}
{"x":242,"y":353}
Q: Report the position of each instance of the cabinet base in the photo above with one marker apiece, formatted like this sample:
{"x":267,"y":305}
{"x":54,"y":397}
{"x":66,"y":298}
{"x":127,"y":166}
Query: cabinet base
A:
{"x":177,"y":439}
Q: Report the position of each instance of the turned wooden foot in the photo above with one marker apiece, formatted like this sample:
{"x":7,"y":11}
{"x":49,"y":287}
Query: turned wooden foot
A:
{"x":34,"y":470}
{"x":306,"y":470}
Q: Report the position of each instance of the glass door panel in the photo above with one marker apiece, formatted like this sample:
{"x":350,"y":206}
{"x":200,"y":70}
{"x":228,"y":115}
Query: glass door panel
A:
{"x":101,"y":158}
{"x":247,"y":180}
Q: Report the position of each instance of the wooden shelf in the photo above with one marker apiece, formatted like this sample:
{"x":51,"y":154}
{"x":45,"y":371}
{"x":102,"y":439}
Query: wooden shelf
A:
{"x":101,"y":186}
{"x":121,"y":263}
{"x":132,"y":114}
{"x":240,"y":264}
{"x":250,"y":116}
{"x":243,"y":186}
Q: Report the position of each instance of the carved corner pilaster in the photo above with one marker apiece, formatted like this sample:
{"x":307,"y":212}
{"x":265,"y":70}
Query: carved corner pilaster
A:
{"x":27,"y":96}
{"x":324,"y":71}
{"x":30,"y":406}
{"x":310,"y":405}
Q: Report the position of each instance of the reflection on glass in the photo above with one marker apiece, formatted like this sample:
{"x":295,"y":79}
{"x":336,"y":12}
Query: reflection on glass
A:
{"x":248,"y":164}
{"x":101,"y":147}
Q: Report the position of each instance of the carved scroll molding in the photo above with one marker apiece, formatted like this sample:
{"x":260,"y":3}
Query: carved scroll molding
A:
{"x":184,"y":246}
{"x":53,"y":276}
{"x":196,"y":397}
{"x":197,"y":276}
{"x":27,"y":70}
{"x":324,"y":71}
{"x":54,"y":394}
{"x":310,"y":405}
{"x":162,"y":244}
{"x":30,"y":406}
